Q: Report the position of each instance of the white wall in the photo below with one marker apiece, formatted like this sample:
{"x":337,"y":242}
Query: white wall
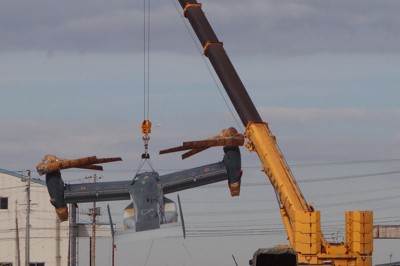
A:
{"x":47,"y":243}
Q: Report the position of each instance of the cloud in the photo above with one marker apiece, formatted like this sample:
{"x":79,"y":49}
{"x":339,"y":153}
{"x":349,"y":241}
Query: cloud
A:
{"x":384,"y":117}
{"x":310,"y":115}
{"x":25,"y":142}
{"x":335,"y":121}
{"x":335,"y":134}
{"x":275,"y":27}
{"x":305,"y":135}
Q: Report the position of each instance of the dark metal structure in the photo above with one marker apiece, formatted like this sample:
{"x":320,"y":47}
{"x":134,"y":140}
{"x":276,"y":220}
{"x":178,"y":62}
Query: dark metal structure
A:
{"x":147,"y":189}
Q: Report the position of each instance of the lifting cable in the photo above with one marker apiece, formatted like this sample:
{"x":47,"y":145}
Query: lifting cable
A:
{"x":201,"y":51}
{"x":146,"y":59}
{"x":146,"y":124}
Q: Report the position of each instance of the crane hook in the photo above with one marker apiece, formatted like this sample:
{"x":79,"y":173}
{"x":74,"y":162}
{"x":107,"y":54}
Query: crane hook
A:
{"x":146,"y":130}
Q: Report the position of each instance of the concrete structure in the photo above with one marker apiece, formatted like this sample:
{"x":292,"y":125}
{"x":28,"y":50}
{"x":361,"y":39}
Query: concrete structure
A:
{"x":387,"y":231}
{"x":48,"y":243}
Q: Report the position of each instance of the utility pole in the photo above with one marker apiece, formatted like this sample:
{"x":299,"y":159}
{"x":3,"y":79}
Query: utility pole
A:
{"x":72,"y":258}
{"x":112,"y":235}
{"x":94,"y":212}
{"x":28,"y":211}
{"x":58,"y":242}
{"x":17,"y":255}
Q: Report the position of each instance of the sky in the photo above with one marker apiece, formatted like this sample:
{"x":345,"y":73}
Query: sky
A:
{"x":323,"y":74}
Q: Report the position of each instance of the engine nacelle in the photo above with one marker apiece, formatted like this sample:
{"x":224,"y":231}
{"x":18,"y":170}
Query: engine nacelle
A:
{"x":55,"y":187}
{"x":233,"y":163}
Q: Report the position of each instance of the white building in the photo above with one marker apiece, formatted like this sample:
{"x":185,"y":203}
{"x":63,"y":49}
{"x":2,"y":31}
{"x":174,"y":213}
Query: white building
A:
{"x":48,"y":243}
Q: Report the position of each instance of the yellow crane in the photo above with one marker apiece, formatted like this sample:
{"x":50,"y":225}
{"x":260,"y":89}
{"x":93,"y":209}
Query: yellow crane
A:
{"x":302,"y":222}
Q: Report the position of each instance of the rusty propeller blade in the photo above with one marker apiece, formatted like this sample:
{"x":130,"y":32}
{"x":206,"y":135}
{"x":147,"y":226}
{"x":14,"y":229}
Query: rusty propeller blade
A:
{"x":52,"y":163}
{"x":228,"y":137}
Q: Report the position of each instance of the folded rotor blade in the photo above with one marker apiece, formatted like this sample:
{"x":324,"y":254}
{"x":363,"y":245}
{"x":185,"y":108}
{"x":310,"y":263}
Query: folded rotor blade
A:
{"x":228,"y":137}
{"x":51,"y":163}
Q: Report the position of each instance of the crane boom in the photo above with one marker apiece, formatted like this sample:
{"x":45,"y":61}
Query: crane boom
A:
{"x":301,"y":221}
{"x":241,"y":100}
{"x":214,"y":50}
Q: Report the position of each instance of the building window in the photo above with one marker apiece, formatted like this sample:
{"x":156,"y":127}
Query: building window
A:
{"x":5,"y":263}
{"x":36,"y":264}
{"x":3,"y":204}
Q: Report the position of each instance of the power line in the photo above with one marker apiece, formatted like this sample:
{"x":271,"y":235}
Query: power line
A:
{"x":353,"y":162}
{"x":346,"y":162}
{"x":335,"y":178}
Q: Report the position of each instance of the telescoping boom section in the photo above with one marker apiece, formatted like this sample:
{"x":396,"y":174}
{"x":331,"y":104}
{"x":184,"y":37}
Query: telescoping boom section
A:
{"x":301,"y":221}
